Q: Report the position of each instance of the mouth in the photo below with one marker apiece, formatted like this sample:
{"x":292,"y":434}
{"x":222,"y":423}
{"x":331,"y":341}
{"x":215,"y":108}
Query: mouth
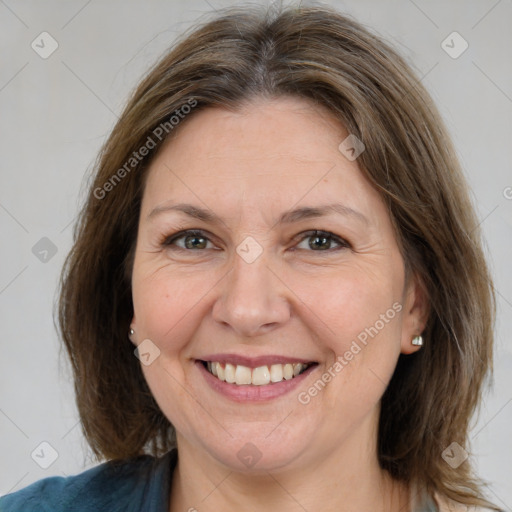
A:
{"x":263,"y":375}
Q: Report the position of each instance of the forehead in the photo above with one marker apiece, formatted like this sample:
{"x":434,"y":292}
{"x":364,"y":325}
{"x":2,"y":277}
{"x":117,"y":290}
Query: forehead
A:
{"x":269,"y":155}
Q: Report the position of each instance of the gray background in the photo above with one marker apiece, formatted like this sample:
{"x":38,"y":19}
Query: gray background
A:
{"x":56,"y":112}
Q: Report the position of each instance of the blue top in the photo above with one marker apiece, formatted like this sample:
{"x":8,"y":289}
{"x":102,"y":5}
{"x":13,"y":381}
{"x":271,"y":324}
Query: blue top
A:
{"x":141,"y":484}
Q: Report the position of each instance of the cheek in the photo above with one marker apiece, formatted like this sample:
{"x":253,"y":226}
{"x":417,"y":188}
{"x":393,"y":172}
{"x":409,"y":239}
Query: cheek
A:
{"x":165,"y":306}
{"x":351,"y":302}
{"x":359,"y":314}
{"x":167,"y":312}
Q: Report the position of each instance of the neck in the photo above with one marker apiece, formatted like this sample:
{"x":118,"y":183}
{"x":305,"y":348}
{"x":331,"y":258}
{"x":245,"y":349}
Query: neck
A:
{"x":346,"y":479}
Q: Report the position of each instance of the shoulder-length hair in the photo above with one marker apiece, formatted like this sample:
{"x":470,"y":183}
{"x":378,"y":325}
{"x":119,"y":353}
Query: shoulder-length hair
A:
{"x":318,"y":54}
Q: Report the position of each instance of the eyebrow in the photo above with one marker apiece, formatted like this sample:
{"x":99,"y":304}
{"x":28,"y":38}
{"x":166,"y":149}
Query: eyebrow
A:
{"x":288,"y":217}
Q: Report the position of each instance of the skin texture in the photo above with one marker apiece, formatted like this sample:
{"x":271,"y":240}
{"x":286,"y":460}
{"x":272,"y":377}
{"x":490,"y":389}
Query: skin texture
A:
{"x":248,"y":167}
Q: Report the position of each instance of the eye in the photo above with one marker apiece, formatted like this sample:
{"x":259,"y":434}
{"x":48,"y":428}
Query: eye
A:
{"x":320,"y":241}
{"x":193,"y":239}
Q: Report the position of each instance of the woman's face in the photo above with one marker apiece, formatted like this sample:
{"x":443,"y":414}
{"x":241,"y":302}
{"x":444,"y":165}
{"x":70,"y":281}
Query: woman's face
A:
{"x":256,"y":290}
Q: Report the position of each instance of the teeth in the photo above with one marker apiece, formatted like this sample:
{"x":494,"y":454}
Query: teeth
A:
{"x":260,"y":376}
{"x":221,"y":373}
{"x":229,"y":373}
{"x":243,"y":375}
{"x":288,"y":371}
{"x":276,"y":373}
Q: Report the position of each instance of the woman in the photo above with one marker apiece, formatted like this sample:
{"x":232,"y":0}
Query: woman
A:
{"x":279,"y":231}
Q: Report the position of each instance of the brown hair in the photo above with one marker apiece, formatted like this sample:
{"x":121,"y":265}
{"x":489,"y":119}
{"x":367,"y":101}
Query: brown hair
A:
{"x":318,"y":54}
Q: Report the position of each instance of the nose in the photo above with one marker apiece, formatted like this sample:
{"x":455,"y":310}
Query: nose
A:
{"x":253,"y":300}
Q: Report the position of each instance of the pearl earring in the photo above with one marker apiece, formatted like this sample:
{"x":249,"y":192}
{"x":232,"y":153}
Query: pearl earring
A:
{"x":132,"y":332}
{"x":417,"y":341}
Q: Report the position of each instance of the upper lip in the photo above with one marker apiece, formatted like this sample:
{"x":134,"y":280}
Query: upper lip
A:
{"x":254,"y":362}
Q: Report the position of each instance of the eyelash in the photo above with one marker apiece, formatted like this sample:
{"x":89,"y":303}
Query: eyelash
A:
{"x":344,"y":244}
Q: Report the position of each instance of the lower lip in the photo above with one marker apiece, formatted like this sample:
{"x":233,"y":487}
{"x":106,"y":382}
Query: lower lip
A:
{"x":249,"y":392}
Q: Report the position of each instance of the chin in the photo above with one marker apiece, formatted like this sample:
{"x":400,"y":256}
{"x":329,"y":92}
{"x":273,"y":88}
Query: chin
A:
{"x":251,"y":451}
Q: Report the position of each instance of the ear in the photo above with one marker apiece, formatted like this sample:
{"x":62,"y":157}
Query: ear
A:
{"x":415,"y":313}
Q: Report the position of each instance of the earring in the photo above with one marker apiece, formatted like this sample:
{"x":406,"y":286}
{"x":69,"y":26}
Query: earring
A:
{"x":132,"y":332}
{"x":417,"y":341}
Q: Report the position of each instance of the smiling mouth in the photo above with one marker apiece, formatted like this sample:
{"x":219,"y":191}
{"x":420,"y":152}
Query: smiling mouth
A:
{"x":243,"y":375}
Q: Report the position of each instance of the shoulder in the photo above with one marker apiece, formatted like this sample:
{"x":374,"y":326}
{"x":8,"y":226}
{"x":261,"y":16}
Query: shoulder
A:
{"x":113,"y":486}
{"x":446,"y":505}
